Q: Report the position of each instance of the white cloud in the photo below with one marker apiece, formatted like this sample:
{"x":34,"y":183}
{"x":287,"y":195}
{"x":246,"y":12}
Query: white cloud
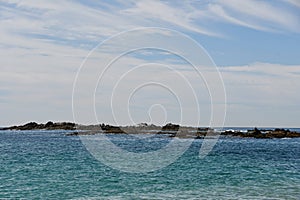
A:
{"x":262,"y":94}
{"x":294,"y":2}
{"x":72,"y":23}
{"x":260,"y":15}
{"x":162,"y":13}
{"x":42,"y":44}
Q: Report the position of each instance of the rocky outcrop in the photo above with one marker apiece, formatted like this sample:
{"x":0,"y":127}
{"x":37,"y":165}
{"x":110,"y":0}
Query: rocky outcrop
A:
{"x":173,"y":130}
{"x":202,"y":132}
{"x":111,"y":129}
{"x":96,"y":129}
{"x":169,"y":128}
{"x":263,"y":134}
{"x":48,"y":126}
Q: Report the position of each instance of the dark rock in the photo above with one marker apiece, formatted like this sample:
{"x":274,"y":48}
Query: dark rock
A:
{"x":47,"y":126}
{"x":30,"y":126}
{"x":202,"y":132}
{"x":169,"y":128}
{"x":63,"y":126}
{"x":292,"y":134}
{"x":173,"y":130}
{"x":111,"y":129}
{"x":264,"y":134}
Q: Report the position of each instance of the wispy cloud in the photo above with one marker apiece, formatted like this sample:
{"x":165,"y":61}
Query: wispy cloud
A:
{"x":268,"y":84}
{"x":294,"y":2}
{"x":74,"y":23}
{"x":261,"y":15}
{"x":42,"y":44}
{"x":262,"y":94}
{"x":162,"y":13}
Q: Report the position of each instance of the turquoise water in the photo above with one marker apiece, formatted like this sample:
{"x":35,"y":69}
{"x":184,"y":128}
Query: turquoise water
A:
{"x":50,"y":165}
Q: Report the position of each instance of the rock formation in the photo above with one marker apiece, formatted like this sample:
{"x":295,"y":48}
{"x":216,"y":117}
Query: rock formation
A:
{"x":48,"y":126}
{"x":172,"y":130}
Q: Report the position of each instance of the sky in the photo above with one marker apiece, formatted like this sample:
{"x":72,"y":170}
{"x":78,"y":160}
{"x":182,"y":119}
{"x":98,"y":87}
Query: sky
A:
{"x":53,"y":54}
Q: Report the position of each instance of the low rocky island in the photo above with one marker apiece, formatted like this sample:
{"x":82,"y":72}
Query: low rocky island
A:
{"x":47,"y":126}
{"x":172,"y":130}
{"x":264,"y":133}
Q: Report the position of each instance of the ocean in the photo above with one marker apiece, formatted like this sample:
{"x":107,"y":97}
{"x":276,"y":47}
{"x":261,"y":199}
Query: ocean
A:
{"x":51,"y":165}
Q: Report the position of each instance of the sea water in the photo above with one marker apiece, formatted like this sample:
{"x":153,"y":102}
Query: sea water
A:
{"x":51,"y":165}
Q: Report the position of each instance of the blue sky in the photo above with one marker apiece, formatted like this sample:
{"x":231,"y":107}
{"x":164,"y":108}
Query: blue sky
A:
{"x":254,"y":43}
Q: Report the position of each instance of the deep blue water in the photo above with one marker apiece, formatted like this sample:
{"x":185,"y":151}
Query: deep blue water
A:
{"x":50,"y":165}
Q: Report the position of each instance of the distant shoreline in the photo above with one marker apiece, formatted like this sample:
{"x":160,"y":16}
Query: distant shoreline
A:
{"x":173,"y":130}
